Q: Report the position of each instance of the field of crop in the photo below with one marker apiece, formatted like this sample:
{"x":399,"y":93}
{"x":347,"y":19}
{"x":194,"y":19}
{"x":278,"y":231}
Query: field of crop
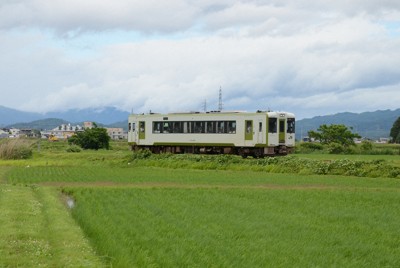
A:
{"x":241,"y":227}
{"x":216,"y":211}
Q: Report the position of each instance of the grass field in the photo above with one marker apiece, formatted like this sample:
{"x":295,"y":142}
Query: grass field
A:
{"x":37,"y":231}
{"x":130,"y":214}
{"x":170,"y":227}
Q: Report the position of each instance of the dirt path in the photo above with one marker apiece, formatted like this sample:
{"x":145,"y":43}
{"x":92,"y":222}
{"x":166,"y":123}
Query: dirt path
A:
{"x":174,"y":185}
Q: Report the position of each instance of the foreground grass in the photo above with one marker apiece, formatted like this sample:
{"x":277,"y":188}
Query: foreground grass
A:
{"x":173,"y":227}
{"x":159,"y":217}
{"x":186,"y":211}
{"x":140,"y":176}
{"x":37,"y":231}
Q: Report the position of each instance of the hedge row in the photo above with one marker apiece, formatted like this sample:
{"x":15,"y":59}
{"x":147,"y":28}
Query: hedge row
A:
{"x":287,"y":164}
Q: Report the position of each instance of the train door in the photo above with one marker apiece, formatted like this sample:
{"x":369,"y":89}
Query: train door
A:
{"x":260,"y":133}
{"x":282,"y":132}
{"x":132,"y":132}
{"x":142,"y":130}
{"x":290,"y":130}
{"x":248,"y":132}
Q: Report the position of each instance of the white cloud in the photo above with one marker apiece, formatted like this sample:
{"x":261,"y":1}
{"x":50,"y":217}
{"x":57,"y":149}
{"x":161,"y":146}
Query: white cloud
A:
{"x":302,"y":56}
{"x":93,"y":15}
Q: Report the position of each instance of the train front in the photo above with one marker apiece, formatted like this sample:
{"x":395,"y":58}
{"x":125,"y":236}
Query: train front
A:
{"x":281,"y":132}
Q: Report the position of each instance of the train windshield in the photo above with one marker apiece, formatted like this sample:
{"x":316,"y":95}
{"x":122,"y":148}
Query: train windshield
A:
{"x":272,"y":125}
{"x":290,"y":125}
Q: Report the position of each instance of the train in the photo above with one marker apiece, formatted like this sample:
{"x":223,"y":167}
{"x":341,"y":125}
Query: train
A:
{"x":256,"y":134}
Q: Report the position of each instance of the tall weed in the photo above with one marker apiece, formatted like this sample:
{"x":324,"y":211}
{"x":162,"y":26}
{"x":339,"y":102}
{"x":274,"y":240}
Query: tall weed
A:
{"x":16,"y":149}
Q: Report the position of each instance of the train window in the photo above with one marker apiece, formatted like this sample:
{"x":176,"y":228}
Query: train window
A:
{"x":157,"y":127}
{"x":290,"y":125}
{"x":249,"y":126}
{"x":220,"y":127}
{"x":177,"y":127}
{"x":198,"y":127}
{"x":142,"y":130}
{"x":166,"y":127}
{"x":141,"y":126}
{"x":272,"y":125}
{"x":193,"y":127}
{"x":210,"y":127}
{"x":231,"y":126}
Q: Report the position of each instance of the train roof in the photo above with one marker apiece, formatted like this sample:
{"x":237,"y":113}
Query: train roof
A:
{"x":269,"y":113}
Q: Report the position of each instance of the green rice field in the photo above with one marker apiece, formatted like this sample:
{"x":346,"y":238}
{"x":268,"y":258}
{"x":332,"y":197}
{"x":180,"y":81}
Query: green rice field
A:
{"x":95,"y":209}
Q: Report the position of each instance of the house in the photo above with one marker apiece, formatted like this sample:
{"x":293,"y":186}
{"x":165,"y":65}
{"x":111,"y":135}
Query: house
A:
{"x":382,"y":140}
{"x":3,"y":134}
{"x":116,"y":133}
{"x":87,"y":125}
{"x":30,"y":133}
{"x":14,"y":133}
{"x":63,"y":131}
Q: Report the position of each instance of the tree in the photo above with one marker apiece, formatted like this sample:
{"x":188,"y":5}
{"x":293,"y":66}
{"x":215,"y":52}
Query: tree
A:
{"x":395,"y":131}
{"x":91,"y":138}
{"x":339,"y":134}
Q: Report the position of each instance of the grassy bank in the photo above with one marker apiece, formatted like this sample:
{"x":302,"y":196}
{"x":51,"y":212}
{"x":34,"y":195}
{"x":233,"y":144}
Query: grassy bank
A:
{"x":37,"y":231}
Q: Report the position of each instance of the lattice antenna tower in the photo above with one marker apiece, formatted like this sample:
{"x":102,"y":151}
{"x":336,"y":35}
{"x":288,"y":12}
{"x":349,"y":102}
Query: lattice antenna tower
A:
{"x":220,"y":99}
{"x":205,"y":105}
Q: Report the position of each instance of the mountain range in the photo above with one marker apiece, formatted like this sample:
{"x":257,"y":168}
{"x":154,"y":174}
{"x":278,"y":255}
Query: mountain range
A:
{"x":106,"y":115}
{"x":373,"y":125}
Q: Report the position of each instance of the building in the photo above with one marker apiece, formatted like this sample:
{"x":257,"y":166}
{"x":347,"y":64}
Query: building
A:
{"x":14,"y":132}
{"x":62,"y":132}
{"x":87,"y":125}
{"x":116,"y":133}
{"x":3,"y":134}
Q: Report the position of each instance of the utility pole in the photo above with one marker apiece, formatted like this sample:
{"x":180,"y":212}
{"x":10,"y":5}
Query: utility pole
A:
{"x":220,"y":100}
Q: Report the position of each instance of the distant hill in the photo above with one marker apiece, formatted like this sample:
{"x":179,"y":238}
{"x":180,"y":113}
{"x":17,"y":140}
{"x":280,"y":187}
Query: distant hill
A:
{"x":123,"y":124}
{"x":48,"y":124}
{"x":373,"y":125}
{"x":11,"y":116}
{"x":106,"y":115}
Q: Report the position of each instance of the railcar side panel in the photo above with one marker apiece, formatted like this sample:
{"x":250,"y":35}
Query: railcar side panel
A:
{"x":257,"y":134}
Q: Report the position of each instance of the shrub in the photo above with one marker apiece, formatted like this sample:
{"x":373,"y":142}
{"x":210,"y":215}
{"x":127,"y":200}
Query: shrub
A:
{"x":15,"y":149}
{"x":308,"y":147}
{"x":73,"y":149}
{"x":366,"y":145}
{"x":92,"y":138}
{"x":141,"y":154}
{"x":335,"y":148}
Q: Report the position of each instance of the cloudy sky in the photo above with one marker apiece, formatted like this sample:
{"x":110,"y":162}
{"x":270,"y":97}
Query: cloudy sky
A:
{"x":304,"y":56}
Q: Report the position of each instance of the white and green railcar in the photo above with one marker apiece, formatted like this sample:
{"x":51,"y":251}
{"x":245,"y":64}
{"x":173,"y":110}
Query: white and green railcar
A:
{"x":257,"y":134}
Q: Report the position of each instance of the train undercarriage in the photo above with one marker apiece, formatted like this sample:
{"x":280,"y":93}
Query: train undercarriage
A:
{"x":256,"y":152}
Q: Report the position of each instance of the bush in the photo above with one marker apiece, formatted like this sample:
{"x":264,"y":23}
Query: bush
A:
{"x":335,"y":148}
{"x":308,"y":147}
{"x":15,"y":149}
{"x":73,"y":149}
{"x":93,"y":138}
{"x":141,"y":154}
{"x":366,"y":145}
